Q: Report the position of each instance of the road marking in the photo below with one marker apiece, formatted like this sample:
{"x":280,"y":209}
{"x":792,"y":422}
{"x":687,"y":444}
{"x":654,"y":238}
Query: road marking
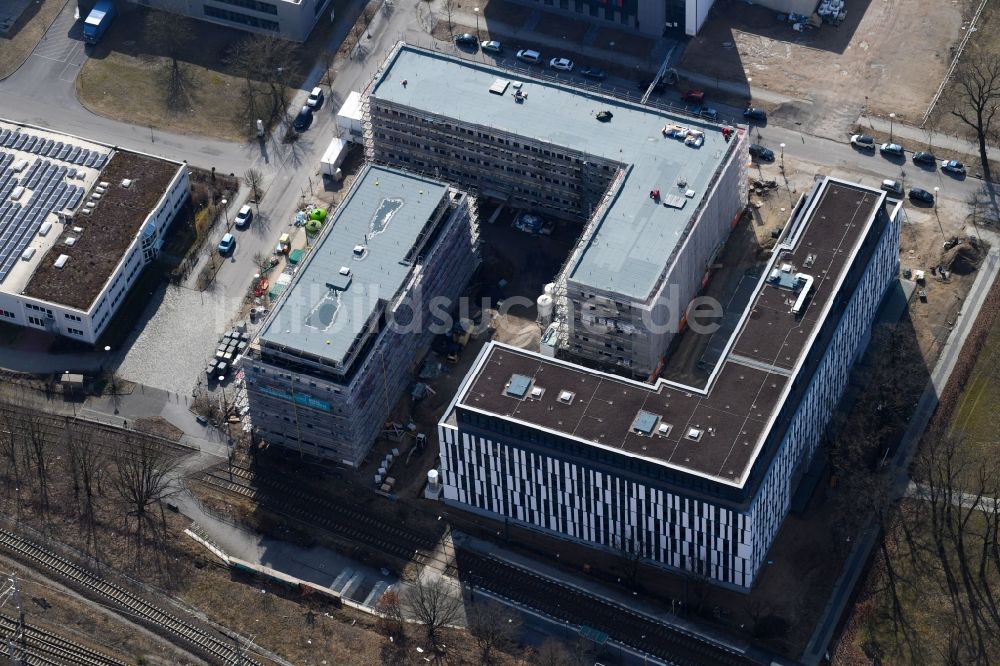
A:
{"x":61,"y":39}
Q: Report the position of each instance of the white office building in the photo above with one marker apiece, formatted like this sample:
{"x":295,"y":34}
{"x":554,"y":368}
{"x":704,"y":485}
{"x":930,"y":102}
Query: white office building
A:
{"x":78,"y":223}
{"x":289,"y":19}
{"x":694,"y":479}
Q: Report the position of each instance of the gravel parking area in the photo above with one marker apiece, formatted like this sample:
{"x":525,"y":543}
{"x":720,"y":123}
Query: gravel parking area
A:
{"x":173,"y":347}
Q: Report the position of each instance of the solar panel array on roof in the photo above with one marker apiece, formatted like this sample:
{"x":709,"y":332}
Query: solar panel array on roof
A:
{"x":49,"y":193}
{"x":66,"y":152}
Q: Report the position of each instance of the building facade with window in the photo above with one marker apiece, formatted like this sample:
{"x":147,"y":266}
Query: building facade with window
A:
{"x":79,"y":221}
{"x":341,"y":344}
{"x":653,"y":194}
{"x":289,"y":19}
{"x":694,"y":479}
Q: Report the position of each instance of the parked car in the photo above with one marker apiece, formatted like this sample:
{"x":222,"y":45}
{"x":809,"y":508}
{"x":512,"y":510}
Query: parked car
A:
{"x":466,"y":39}
{"x":527,"y":55}
{"x":243,"y":217}
{"x":315,"y":98}
{"x":921,"y":196}
{"x":562,"y":64}
{"x":891,"y":149}
{"x":705,"y":112}
{"x":594,"y":73}
{"x":753,"y":113}
{"x":303,"y":120}
{"x":863,"y":141}
{"x":492,"y":46}
{"x":658,"y":88}
{"x":532,"y":224}
{"x":953,"y":166}
{"x":893,"y":187}
{"x":761,"y":153}
{"x":693,"y":96}
{"x":924,"y":158}
{"x":227,"y":244}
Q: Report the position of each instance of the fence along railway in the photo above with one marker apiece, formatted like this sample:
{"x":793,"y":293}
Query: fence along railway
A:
{"x":44,"y":647}
{"x":338,"y":518}
{"x":201,"y":640}
{"x":21,"y":421}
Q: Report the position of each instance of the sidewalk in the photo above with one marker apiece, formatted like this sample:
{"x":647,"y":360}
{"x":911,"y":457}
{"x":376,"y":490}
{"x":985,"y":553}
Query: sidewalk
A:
{"x":938,"y":140}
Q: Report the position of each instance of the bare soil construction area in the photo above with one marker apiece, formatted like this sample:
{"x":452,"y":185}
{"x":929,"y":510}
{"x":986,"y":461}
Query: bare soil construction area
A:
{"x":892,"y":53}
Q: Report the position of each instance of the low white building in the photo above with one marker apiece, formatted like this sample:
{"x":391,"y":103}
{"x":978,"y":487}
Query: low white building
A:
{"x":78,"y":223}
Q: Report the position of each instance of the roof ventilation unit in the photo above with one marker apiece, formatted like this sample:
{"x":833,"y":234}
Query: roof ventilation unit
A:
{"x":126,"y":183}
{"x":694,"y":434}
{"x":28,"y":253}
{"x":61,"y":261}
{"x":45,"y":229}
{"x":566,"y":397}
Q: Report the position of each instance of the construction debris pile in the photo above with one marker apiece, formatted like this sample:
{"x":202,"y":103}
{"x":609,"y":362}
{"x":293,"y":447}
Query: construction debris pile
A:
{"x":962,"y":255}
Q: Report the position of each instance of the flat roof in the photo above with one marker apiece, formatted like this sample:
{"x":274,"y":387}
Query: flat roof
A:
{"x":324,"y":311}
{"x":715,"y":432}
{"x":633,"y":241}
{"x":105,"y":234}
{"x":55,"y":171}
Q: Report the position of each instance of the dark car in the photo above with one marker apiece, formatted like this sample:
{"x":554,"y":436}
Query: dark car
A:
{"x":921,"y":196}
{"x":658,"y":88}
{"x":594,"y":73}
{"x":466,"y":39}
{"x":761,"y":153}
{"x":953,"y":167}
{"x":891,"y":149}
{"x":303,"y":120}
{"x":926,"y":158}
{"x":753,"y":113}
{"x":693,"y":96}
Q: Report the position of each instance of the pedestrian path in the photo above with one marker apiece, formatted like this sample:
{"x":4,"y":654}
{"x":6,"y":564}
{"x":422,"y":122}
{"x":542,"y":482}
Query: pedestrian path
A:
{"x":916,"y":135}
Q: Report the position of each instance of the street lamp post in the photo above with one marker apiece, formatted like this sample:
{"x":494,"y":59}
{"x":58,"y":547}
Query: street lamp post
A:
{"x":225,"y":209}
{"x":936,"y":216}
{"x":225,"y":426}
{"x":114,"y":386}
{"x":782,"y":146}
{"x":475,"y":10}
{"x":892,"y":117}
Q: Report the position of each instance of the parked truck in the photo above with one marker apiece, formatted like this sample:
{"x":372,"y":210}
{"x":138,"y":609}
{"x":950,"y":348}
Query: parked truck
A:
{"x":333,"y":158}
{"x":349,"y":118}
{"x":98,"y":20}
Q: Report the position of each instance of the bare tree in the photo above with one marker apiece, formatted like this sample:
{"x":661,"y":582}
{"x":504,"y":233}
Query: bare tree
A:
{"x":173,"y":35}
{"x":142,"y":481}
{"x":494,"y":627}
{"x":37,"y":454}
{"x":432,"y":602}
{"x":978,"y":80}
{"x":551,"y":653}
{"x":389,"y":615}
{"x":86,"y":462}
{"x":255,"y":181}
{"x":10,"y":447}
{"x":264,"y":62}
{"x":449,"y":8}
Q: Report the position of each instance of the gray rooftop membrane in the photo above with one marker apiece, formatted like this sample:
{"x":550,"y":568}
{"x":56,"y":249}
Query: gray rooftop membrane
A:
{"x":635,"y":237}
{"x":324,"y":310}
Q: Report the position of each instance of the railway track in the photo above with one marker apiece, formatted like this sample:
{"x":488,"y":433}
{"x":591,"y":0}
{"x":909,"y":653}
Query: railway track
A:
{"x":342,"y":520}
{"x":219,"y":650}
{"x":29,"y":422}
{"x":576,"y":607}
{"x":46,"y":647}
